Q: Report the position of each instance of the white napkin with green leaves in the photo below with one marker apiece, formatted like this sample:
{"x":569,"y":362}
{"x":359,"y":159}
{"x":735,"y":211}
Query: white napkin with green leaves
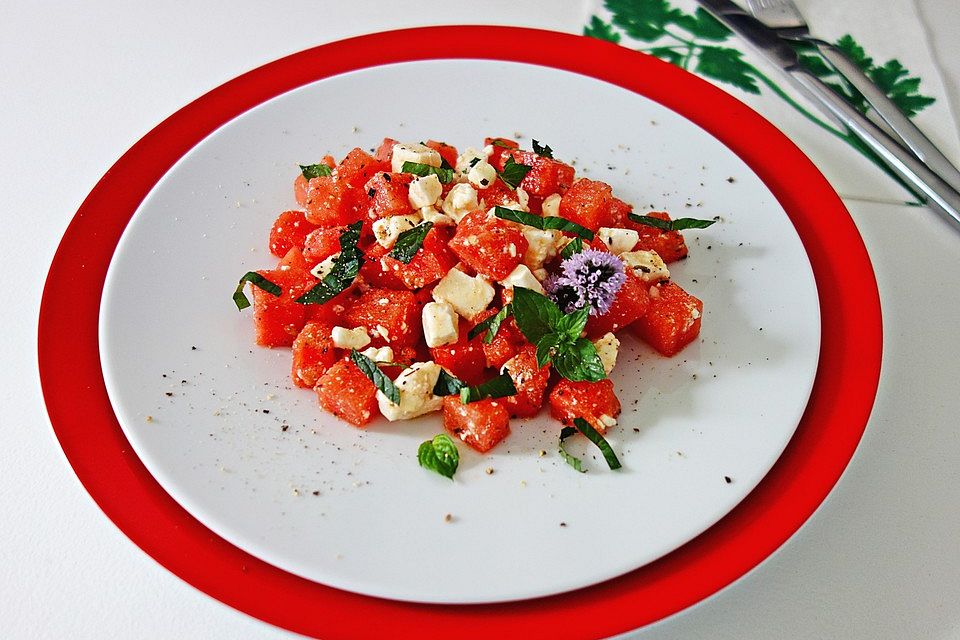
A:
{"x":888,"y":41}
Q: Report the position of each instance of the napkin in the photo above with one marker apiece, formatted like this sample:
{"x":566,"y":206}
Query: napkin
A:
{"x":890,"y":42}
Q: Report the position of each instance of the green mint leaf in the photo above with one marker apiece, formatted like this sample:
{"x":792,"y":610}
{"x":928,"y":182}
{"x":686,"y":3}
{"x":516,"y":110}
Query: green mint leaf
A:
{"x":545,"y":348}
{"x":571,"y":460}
{"x":578,"y":361}
{"x":444,"y":165}
{"x":344,"y":271}
{"x":542,"y":150}
{"x":572,"y":325}
{"x":500,"y":143}
{"x":535,"y":314}
{"x":409,"y":242}
{"x":491,"y":325}
{"x":315,"y":170}
{"x":447,"y":385}
{"x":255,"y":279}
{"x":572,"y":247}
{"x":727,"y":65}
{"x":370,"y":369}
{"x":497,"y":387}
{"x":543,"y":222}
{"x":440,"y":455}
{"x":671,"y":225}
{"x":601,"y":30}
{"x":418,"y":169}
{"x":513,"y":172}
{"x":594,"y":436}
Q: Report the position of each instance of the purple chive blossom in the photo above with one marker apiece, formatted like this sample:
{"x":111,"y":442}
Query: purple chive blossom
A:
{"x":589,"y":278}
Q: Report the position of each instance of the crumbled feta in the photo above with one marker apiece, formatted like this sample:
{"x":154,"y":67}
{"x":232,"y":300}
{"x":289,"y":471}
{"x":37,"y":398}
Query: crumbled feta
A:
{"x":482,"y":174}
{"x":344,"y":338}
{"x":542,"y":245}
{"x":646,"y":264}
{"x":429,"y":214}
{"x":424,"y":191}
{"x":607,"y":348}
{"x":440,"y":323}
{"x":608,"y":421}
{"x":467,"y":295}
{"x":413,"y":152}
{"x":323,"y":268}
{"x":461,"y":200}
{"x":386,"y":230}
{"x":551,"y":205}
{"x":522,"y":277}
{"x":541,"y":274}
{"x":469,"y":155}
{"x":415,"y":385}
{"x":383,"y":354}
{"x":618,"y":240}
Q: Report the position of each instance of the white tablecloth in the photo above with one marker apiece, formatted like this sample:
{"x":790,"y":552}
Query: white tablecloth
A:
{"x":81,"y":82}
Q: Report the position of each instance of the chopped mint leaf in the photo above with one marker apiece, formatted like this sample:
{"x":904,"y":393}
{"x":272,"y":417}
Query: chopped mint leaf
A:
{"x":572,"y":247}
{"x":315,"y":170}
{"x":409,"y":242}
{"x":543,"y":222}
{"x":594,"y":436}
{"x":345,"y":269}
{"x":491,"y":325}
{"x":514,"y":172}
{"x":497,"y":387}
{"x":447,"y":385}
{"x":370,"y":369}
{"x":255,"y":279}
{"x":571,"y":460}
{"x":418,"y":169}
{"x":671,"y":225}
{"x":544,"y":151}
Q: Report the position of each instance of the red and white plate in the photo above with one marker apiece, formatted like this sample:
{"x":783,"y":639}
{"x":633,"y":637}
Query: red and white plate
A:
{"x":174,"y":422}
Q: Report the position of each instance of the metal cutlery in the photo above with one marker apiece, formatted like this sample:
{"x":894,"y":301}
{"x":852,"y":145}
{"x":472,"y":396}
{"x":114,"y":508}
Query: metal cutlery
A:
{"x":941,"y":196}
{"x":785,"y":18}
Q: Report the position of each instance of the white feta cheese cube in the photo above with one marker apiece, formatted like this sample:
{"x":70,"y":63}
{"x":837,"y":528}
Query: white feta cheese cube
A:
{"x":383,"y":354}
{"x":608,"y":421}
{"x":467,"y":295}
{"x":440,"y":322}
{"x":323,"y":268}
{"x":646,"y":264}
{"x":522,"y":277}
{"x":469,"y":155}
{"x":386,"y":230}
{"x":429,"y":214}
{"x":551,"y":205}
{"x":424,"y":191}
{"x":607,"y":348}
{"x":344,"y":338}
{"x":541,"y":245}
{"x":413,"y":152}
{"x":482,"y":174}
{"x":461,"y":200}
{"x":618,"y":240}
{"x":415,"y":385}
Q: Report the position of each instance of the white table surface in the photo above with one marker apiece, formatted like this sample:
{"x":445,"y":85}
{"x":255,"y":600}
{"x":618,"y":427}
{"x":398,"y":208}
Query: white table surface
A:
{"x":81,"y":82}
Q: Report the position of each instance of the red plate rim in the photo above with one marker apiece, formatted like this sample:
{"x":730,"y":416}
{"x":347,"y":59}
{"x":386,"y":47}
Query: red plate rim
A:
{"x":834,"y":421}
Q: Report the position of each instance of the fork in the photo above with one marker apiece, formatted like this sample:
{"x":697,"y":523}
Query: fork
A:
{"x":785,"y":18}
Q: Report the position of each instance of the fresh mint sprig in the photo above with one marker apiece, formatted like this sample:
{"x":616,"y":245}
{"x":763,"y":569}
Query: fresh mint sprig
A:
{"x":440,"y":455}
{"x":557,"y":336}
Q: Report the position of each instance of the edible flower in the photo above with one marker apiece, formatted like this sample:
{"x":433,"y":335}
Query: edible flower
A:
{"x":590,"y":278}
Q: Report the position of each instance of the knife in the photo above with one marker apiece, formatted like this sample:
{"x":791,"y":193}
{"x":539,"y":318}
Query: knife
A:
{"x":941,"y":197}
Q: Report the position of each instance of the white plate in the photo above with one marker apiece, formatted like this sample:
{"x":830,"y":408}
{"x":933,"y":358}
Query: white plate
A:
{"x":350,"y":508}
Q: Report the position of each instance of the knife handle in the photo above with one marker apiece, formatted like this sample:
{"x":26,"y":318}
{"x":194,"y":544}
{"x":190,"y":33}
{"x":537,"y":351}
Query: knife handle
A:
{"x":891,"y":114}
{"x":941,"y":197}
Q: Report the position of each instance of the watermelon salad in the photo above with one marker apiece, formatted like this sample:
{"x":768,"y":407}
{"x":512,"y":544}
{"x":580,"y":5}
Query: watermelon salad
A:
{"x":481,"y":285}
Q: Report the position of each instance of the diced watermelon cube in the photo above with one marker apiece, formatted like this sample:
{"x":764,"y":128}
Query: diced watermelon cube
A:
{"x":587,"y":202}
{"x":530,"y":382}
{"x":289,"y":230}
{"x":313,"y":354}
{"x":482,"y":424}
{"x":631,"y":304}
{"x":488,"y":244}
{"x":672,"y":321}
{"x":429,"y":264}
{"x":446,"y":151}
{"x":464,"y":358}
{"x":358,"y":167}
{"x":390,"y":317}
{"x":546,"y":175}
{"x":321,"y":244}
{"x":502,"y":147}
{"x":506,"y":344}
{"x":278,"y":320}
{"x":668,"y":244}
{"x":384,"y":152}
{"x":592,"y":401}
{"x":331,"y":202}
{"x":389,"y":195}
{"x":348,"y":394}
